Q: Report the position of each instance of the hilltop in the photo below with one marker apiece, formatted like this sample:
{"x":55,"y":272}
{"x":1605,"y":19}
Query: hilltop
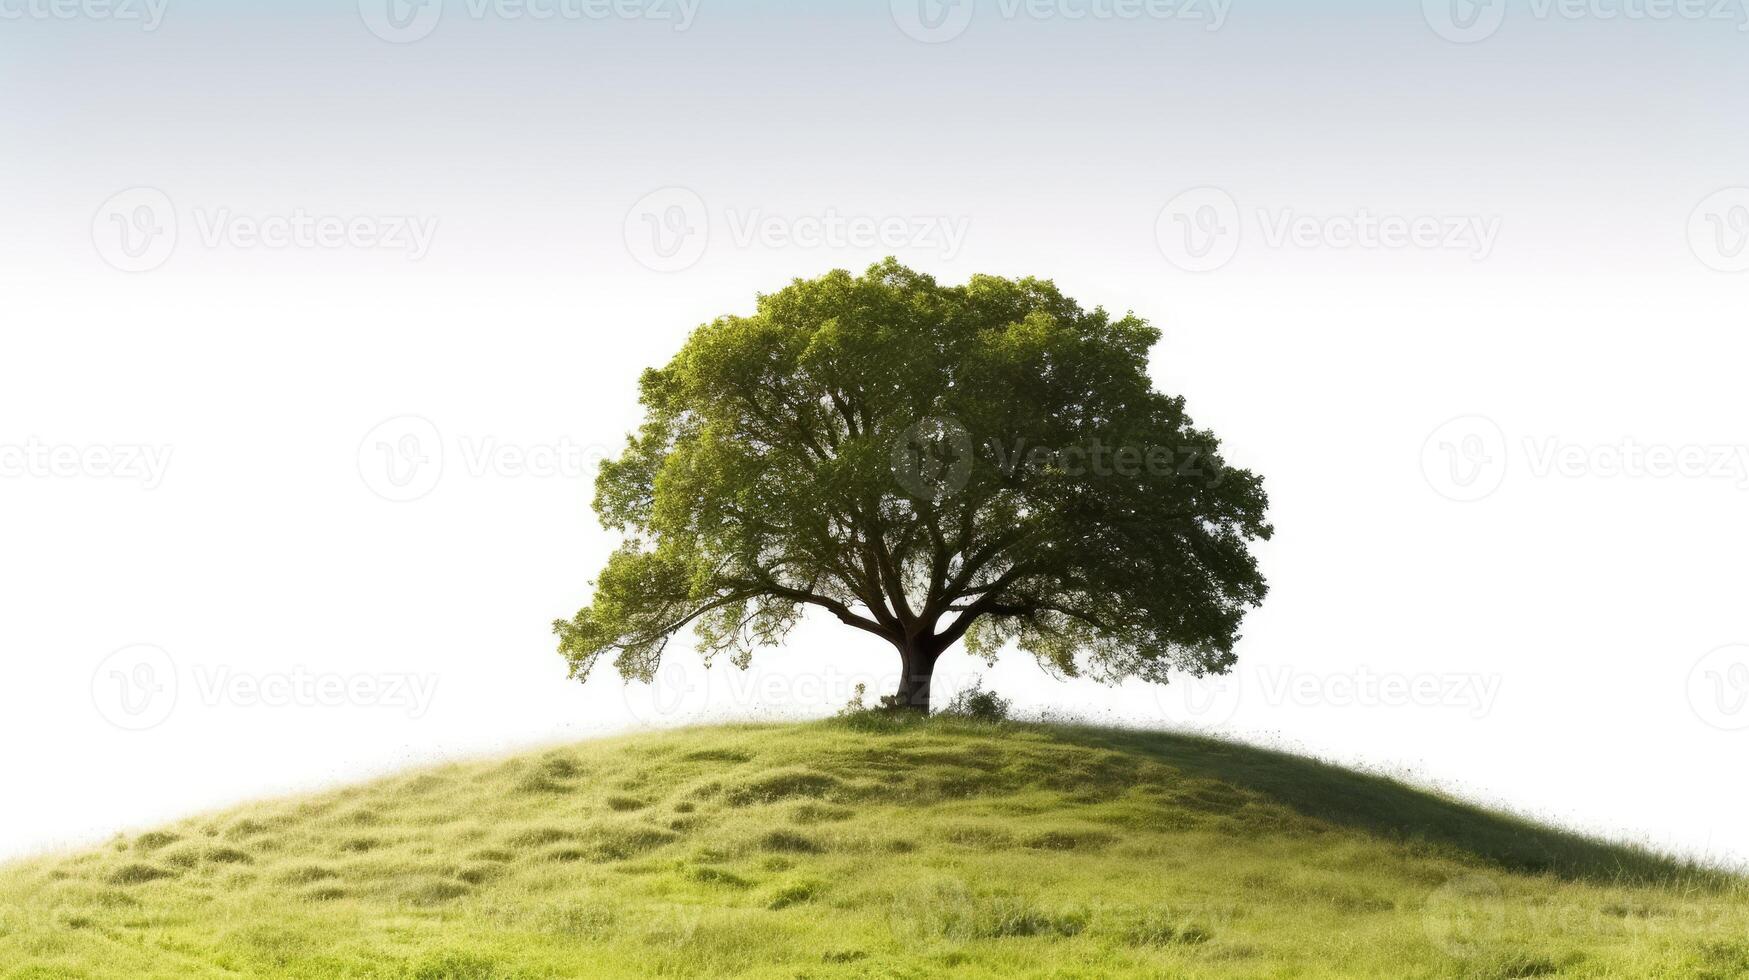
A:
{"x":870,"y":847}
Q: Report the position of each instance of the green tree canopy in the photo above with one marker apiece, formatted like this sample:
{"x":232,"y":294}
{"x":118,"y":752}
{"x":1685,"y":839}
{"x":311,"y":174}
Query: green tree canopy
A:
{"x":926,"y":463}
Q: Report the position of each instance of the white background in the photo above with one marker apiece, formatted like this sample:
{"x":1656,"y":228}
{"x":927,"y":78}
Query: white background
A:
{"x":1498,"y":606}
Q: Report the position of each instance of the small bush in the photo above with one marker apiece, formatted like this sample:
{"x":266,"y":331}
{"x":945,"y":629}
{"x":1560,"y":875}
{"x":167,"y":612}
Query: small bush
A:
{"x":978,"y":704}
{"x":855,"y":705}
{"x":886,"y":715}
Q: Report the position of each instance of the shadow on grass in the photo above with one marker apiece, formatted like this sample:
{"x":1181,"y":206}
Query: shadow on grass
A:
{"x":1392,"y":810}
{"x":1378,"y":805}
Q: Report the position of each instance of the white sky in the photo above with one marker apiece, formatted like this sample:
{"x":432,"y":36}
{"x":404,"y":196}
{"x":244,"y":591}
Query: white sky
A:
{"x":1541,"y":647}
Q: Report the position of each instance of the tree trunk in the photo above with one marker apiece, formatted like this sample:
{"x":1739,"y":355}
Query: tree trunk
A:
{"x":917,"y":668}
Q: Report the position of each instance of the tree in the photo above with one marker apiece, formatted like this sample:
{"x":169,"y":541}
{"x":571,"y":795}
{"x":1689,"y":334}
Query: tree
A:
{"x":926,"y":463}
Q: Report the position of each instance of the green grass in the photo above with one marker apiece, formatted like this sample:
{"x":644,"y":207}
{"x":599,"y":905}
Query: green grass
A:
{"x":870,"y":847}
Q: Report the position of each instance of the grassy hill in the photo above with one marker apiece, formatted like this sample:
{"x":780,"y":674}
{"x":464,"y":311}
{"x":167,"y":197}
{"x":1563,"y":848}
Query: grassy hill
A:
{"x":868,"y":847}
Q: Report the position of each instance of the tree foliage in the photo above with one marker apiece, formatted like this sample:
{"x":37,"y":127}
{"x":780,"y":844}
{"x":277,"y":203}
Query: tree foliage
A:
{"x":926,"y":463}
